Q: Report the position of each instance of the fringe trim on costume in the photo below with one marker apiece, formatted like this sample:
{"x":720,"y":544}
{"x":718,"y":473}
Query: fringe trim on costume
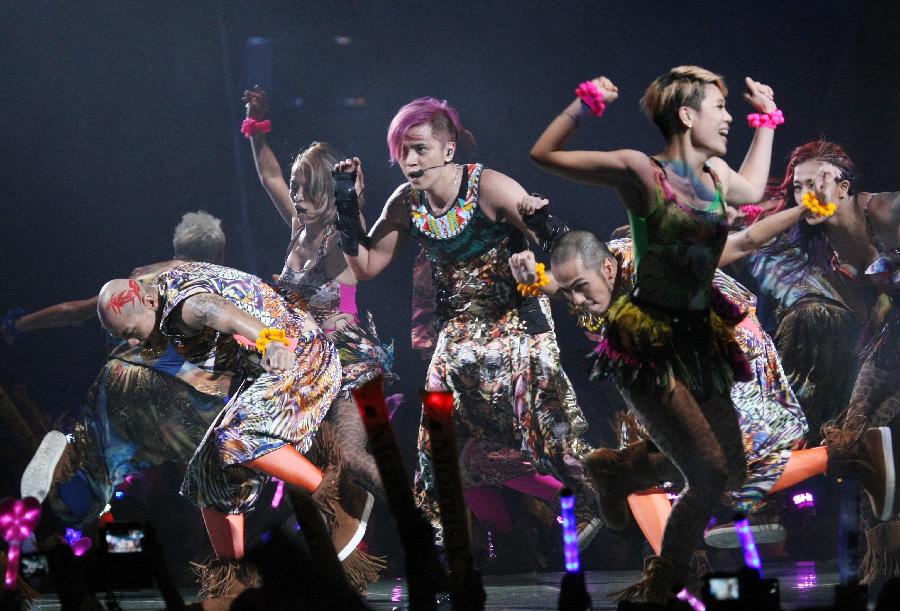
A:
{"x":362,"y":569}
{"x":639,"y":346}
{"x":882,"y":559}
{"x":216,"y":576}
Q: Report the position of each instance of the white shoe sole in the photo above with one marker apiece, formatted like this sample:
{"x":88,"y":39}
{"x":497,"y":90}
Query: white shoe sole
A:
{"x":38,"y":476}
{"x":890,"y":478}
{"x":361,"y":529}
{"x":727,"y":538}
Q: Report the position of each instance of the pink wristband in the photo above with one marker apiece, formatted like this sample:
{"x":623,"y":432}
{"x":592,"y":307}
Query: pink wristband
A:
{"x":768,"y":119}
{"x":591,"y":95}
{"x":251,"y":127}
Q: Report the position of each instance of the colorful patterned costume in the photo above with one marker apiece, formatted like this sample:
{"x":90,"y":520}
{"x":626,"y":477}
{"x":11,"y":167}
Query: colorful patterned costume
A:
{"x":672,"y":322}
{"x":515,"y":408}
{"x":362,"y":354}
{"x":274,"y":410}
{"x":771,"y":420}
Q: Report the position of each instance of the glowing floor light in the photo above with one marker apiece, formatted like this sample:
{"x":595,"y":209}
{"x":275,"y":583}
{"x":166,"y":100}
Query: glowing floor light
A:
{"x":570,"y":531}
{"x":751,"y":555}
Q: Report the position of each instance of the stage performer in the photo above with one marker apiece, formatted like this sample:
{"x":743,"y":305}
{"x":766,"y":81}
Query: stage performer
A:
{"x":592,"y":275}
{"x":861,"y":243}
{"x":270,"y":423}
{"x":316,"y":277}
{"x":135,"y":396}
{"x":518,"y":422}
{"x":670,"y":341}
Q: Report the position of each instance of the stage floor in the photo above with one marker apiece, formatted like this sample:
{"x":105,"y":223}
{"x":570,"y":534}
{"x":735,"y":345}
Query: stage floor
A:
{"x":803,"y":584}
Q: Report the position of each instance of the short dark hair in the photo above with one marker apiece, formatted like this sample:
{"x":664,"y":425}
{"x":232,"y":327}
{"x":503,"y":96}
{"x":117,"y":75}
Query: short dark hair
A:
{"x":582,"y":244}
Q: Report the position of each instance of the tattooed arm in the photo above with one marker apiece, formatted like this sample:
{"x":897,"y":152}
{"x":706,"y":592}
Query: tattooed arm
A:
{"x":210,"y":310}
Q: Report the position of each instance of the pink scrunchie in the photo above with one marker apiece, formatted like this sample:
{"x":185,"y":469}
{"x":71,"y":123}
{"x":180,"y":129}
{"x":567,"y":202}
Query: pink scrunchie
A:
{"x":591,"y":95}
{"x":251,"y":127}
{"x":768,"y":119}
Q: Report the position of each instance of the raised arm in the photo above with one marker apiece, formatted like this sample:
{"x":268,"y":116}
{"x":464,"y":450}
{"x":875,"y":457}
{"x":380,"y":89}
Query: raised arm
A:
{"x":267,"y":167}
{"x":748,"y":185}
{"x":66,"y":314}
{"x":367,"y":256}
{"x":749,"y":240}
{"x":627,"y":171}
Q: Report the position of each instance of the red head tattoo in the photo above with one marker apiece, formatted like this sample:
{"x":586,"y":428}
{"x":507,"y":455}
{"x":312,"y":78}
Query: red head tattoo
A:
{"x":128,"y":296}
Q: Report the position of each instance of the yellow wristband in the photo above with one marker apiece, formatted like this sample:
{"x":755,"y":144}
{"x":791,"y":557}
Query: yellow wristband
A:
{"x":812,"y":202}
{"x":534,"y":289}
{"x":270,"y":335}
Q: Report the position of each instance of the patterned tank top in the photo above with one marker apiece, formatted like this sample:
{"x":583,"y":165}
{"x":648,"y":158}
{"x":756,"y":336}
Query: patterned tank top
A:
{"x":677,"y":247}
{"x":468,"y":252}
{"x":312,"y":289}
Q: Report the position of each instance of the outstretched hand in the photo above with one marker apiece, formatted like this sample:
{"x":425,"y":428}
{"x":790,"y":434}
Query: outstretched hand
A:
{"x":256,"y":101}
{"x":759,"y":96}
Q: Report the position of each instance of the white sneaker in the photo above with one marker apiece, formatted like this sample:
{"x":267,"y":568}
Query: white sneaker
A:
{"x":38,"y":476}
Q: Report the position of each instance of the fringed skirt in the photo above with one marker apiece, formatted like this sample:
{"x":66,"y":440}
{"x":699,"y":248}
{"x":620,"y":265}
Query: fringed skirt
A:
{"x":642,"y":345}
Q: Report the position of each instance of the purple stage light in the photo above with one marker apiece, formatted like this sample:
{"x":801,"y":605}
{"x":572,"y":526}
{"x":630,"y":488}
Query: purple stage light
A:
{"x":751,"y":555}
{"x":803,"y":499}
{"x":570,"y":531}
{"x":695,"y":603}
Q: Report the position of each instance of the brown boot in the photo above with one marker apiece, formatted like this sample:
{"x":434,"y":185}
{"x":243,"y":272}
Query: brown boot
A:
{"x":659,"y":583}
{"x":882,"y":559}
{"x":870,"y":455}
{"x":346,"y":508}
{"x":616,"y":474}
{"x":221,"y":581}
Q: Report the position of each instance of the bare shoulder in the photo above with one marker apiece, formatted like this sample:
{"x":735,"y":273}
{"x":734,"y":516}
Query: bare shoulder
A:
{"x":395,"y":207}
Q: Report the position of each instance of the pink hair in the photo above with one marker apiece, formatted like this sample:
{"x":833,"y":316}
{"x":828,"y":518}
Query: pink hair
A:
{"x":438,"y":113}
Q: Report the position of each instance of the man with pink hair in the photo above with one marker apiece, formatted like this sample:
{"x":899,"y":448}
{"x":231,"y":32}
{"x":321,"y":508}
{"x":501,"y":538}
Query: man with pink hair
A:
{"x":518,"y":423}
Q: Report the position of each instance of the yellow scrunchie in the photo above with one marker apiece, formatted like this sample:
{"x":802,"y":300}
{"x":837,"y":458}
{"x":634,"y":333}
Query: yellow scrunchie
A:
{"x":270,"y":335}
{"x":818,"y":208}
{"x":534,"y":289}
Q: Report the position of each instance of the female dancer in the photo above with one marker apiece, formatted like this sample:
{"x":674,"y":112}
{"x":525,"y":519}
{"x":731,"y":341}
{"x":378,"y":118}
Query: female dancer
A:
{"x":517,"y":418}
{"x":670,"y":342}
{"x":771,"y":421}
{"x":861,"y":243}
{"x":316,"y":275}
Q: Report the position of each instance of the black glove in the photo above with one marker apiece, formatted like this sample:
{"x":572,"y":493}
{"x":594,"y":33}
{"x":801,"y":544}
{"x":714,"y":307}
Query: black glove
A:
{"x":347,"y":203}
{"x":547,"y":227}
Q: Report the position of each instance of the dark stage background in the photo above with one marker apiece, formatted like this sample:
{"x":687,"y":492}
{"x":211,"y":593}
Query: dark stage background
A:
{"x":118,"y":117}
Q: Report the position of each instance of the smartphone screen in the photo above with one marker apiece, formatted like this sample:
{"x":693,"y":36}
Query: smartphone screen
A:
{"x":126,"y":541}
{"x":34,"y":565}
{"x":725,"y":588}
